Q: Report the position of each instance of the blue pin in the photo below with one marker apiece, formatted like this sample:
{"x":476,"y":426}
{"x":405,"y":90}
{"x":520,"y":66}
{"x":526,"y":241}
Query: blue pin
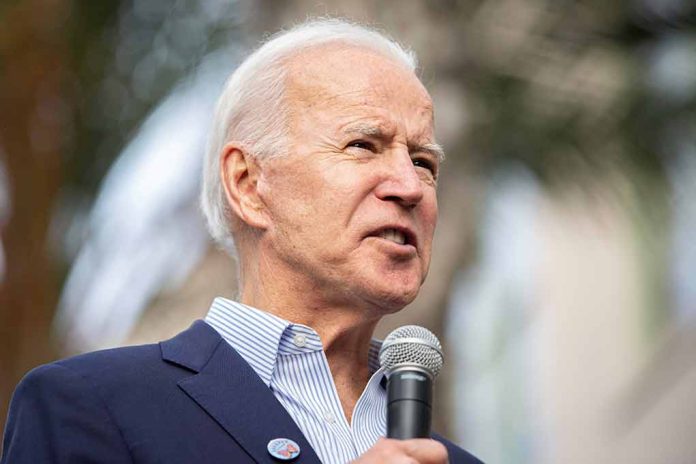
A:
{"x":283,"y":449}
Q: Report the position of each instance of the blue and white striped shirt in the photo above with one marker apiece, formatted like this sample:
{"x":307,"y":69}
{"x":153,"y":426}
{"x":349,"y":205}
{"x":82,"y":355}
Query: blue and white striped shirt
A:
{"x":290,"y":360}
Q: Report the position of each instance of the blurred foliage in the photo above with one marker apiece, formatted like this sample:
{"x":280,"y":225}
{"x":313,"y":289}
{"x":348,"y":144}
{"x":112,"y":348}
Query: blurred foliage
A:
{"x":559,"y":86}
{"x":127,"y":55}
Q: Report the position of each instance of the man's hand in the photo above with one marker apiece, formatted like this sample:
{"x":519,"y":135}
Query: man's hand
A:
{"x":417,"y":451}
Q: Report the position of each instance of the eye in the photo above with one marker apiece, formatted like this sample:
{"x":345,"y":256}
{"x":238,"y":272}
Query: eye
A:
{"x":426,"y":164}
{"x":362,"y":144}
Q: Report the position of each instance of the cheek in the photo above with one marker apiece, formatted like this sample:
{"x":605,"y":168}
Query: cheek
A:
{"x":429,"y":221}
{"x":303,"y":209}
{"x":430,"y":213}
{"x":285,"y":188}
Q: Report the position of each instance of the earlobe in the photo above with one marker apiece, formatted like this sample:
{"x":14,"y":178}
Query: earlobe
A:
{"x":239,"y":173}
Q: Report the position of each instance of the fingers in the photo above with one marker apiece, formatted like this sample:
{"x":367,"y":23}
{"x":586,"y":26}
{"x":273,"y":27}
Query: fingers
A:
{"x":425,"y":451}
{"x":416,"y":451}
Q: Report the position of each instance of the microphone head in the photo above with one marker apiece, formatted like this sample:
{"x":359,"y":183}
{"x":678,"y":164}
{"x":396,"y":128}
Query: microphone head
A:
{"x":412,"y":346}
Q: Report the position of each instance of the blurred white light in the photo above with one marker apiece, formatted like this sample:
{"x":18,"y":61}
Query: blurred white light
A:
{"x":673,"y":68}
{"x":682,"y":176}
{"x":145,"y":232}
{"x":489,"y":324}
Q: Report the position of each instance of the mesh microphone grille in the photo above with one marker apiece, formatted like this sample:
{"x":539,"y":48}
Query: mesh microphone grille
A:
{"x":412,"y":345}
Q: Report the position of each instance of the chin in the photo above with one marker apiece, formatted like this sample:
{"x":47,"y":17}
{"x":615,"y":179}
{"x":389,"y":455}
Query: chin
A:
{"x":394,"y":298}
{"x":389,"y":290}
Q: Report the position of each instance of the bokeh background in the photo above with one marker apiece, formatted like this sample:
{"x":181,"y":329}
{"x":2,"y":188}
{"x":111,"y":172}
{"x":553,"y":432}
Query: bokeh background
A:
{"x":563,"y":282}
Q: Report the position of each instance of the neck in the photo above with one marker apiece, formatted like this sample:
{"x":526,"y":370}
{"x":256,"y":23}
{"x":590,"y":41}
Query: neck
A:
{"x":345,"y":329}
{"x":344,"y":324}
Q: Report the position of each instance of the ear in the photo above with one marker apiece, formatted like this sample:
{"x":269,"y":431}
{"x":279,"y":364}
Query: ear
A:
{"x":239,"y":173}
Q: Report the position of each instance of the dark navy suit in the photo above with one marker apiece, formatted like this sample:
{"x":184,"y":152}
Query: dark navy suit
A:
{"x":191,"y":399}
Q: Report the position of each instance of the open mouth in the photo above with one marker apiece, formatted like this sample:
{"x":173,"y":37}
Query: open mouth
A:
{"x":397,"y":235}
{"x":393,"y":235}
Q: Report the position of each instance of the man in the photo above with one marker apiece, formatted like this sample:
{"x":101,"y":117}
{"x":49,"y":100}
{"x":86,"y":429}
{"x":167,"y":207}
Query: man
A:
{"x":322,"y":167}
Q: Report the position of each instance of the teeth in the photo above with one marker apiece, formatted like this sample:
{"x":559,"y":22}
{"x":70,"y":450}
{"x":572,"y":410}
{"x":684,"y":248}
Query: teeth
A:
{"x":394,"y":236}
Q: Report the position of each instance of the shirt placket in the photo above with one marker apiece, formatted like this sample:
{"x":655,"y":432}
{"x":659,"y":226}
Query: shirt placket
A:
{"x":365,"y":432}
{"x":339,"y":426}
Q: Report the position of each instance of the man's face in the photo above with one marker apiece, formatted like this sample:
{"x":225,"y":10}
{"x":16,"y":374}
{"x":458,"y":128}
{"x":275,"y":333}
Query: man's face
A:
{"x":353,"y":205}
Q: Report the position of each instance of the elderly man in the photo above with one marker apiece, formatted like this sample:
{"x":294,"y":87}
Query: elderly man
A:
{"x":322,"y":168}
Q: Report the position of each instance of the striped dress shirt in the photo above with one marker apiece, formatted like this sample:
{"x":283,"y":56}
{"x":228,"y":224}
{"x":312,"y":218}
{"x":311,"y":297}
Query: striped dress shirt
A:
{"x":289,"y":358}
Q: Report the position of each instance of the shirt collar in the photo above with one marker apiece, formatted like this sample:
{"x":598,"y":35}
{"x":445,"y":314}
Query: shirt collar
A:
{"x":253,"y":333}
{"x":260,"y":337}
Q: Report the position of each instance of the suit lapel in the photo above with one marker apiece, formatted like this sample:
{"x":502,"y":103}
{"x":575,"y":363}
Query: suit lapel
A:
{"x":231,"y":392}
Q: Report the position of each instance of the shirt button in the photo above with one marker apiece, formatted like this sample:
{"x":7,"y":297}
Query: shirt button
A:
{"x":328,"y":417}
{"x":299,"y":340}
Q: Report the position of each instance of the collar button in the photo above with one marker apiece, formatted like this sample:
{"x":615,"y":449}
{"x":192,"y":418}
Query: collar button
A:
{"x":299,"y":340}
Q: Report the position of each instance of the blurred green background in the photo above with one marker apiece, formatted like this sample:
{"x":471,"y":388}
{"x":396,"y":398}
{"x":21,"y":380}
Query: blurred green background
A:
{"x":562,"y":278}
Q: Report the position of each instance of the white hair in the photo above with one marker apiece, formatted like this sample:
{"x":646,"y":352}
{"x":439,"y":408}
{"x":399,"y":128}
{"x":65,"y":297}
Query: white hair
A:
{"x":252,"y":108}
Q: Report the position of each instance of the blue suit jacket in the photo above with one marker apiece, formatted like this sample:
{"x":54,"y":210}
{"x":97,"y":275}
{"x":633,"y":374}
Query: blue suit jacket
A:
{"x":191,"y":399}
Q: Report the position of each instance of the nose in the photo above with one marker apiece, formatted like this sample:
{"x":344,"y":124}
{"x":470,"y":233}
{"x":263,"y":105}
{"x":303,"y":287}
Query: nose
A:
{"x":401,"y":182}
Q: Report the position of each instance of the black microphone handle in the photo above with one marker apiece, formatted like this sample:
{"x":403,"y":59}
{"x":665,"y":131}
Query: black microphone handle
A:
{"x":409,"y":396}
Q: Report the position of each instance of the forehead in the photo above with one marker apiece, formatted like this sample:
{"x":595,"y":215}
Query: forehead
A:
{"x":349,"y":83}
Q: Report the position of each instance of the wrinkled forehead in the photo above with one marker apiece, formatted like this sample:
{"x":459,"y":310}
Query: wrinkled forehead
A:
{"x":331,"y":87}
{"x":351,"y":73}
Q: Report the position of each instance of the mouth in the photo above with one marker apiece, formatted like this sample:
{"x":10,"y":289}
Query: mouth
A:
{"x":398,"y":235}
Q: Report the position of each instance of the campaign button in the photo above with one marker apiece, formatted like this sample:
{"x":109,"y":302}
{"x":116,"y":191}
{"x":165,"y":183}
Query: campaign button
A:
{"x":283,"y":449}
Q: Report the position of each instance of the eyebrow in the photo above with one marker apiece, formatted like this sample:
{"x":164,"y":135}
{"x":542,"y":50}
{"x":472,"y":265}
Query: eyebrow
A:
{"x":433,"y":148}
{"x":366,"y":129}
{"x":370,"y":130}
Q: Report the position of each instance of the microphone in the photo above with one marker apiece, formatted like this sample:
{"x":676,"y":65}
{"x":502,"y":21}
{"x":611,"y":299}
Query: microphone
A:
{"x":412,"y":358}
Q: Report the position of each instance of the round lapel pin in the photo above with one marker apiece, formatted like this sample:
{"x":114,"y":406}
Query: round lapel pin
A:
{"x":283,"y":449}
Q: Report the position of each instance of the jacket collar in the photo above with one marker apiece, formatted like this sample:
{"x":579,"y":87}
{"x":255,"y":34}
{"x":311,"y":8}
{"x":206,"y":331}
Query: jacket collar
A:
{"x":230,"y":391}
